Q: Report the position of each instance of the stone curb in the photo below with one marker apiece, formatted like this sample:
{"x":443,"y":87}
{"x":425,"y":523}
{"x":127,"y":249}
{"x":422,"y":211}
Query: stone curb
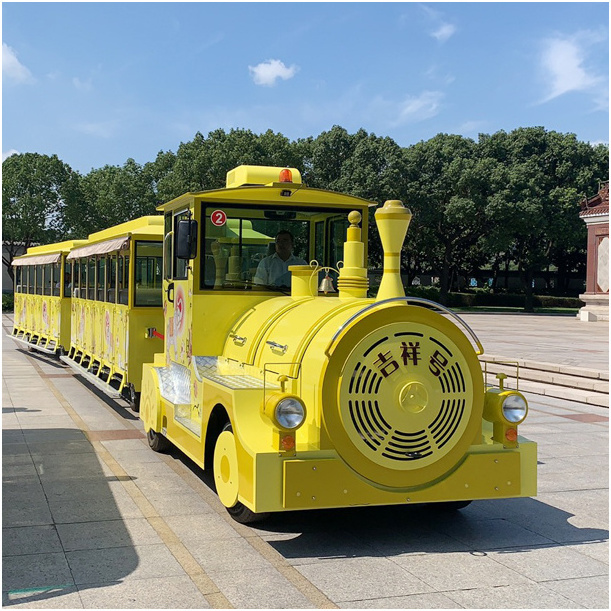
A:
{"x":553,"y":380}
{"x":581,"y":372}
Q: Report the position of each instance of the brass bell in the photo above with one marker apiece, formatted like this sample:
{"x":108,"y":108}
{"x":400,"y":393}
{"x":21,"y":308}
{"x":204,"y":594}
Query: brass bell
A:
{"x":326,"y":285}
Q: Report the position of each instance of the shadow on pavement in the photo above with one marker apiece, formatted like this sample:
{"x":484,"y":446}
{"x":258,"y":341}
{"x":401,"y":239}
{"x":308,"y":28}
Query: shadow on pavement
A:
{"x":62,"y":527}
{"x":505,"y":525}
{"x":118,"y":406}
{"x":45,"y":359}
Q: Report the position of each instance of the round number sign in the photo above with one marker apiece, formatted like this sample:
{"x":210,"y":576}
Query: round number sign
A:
{"x":218,"y":218}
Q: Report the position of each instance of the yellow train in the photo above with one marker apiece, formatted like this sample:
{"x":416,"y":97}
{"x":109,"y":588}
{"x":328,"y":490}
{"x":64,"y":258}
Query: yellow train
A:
{"x":42,"y":298}
{"x":305,"y":399}
{"x":116,"y":305}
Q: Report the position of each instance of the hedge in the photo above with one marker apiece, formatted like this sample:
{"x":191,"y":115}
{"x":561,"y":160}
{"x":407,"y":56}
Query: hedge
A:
{"x":8,"y":302}
{"x":498,"y":300}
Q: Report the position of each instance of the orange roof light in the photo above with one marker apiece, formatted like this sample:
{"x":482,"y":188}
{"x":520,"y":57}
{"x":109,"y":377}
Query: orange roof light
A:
{"x":286,"y":175}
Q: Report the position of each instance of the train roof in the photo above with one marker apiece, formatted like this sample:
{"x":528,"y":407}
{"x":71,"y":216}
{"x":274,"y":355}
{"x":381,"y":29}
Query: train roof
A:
{"x":141,"y":227}
{"x":263,"y":185}
{"x":47,"y":253}
{"x":118,"y":237}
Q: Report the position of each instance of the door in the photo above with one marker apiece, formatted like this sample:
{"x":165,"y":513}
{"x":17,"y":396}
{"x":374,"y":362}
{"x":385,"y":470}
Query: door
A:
{"x":178,"y":309}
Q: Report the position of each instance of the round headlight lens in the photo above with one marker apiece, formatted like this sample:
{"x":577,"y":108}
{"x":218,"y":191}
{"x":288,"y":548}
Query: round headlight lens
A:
{"x":515,"y":408}
{"x":290,"y":413}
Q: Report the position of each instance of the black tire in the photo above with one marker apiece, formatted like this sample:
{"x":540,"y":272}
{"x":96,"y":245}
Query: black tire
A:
{"x":132,"y":397}
{"x":239,"y":512}
{"x":135,"y":402}
{"x":157,"y":442}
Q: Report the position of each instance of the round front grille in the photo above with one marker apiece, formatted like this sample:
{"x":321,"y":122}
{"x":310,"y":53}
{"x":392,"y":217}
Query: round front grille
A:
{"x":407,"y":400}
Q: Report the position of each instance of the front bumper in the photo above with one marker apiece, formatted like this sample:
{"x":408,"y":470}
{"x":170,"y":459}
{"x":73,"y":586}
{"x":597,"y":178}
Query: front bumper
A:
{"x":316,"y":481}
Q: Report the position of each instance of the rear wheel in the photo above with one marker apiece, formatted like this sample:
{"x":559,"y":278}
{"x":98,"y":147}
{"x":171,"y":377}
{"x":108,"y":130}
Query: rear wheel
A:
{"x":136,"y":402}
{"x":132,"y":397}
{"x":157,"y":441}
{"x":226,"y":478}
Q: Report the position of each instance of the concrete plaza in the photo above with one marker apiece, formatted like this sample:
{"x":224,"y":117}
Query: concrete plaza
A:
{"x":92,"y":518}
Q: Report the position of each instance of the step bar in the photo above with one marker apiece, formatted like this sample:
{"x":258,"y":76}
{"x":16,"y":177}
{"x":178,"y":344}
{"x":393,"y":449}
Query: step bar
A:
{"x":113,"y":393}
{"x":31,"y":346}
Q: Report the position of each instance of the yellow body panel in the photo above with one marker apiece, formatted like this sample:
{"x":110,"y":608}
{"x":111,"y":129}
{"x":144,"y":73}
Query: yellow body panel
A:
{"x":484,"y":474}
{"x":114,"y":336}
{"x":43,"y":319}
{"x":111,"y":340}
{"x":393,"y":394}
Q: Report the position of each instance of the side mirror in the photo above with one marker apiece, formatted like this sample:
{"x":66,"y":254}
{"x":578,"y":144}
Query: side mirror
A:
{"x":186,"y":239}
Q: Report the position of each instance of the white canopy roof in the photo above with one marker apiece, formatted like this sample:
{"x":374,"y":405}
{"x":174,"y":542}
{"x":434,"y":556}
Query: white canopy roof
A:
{"x":100,"y":248}
{"x":38,"y":259}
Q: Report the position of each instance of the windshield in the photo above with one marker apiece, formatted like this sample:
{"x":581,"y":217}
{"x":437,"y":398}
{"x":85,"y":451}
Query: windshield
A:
{"x":250,"y":247}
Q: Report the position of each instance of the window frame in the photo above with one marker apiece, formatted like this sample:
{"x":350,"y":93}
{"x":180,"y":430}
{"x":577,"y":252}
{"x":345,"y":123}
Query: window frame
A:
{"x":148,"y":260}
{"x":315,"y":224}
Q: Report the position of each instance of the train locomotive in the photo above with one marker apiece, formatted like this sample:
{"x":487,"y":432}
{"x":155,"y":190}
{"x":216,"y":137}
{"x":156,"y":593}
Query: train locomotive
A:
{"x":298,"y":398}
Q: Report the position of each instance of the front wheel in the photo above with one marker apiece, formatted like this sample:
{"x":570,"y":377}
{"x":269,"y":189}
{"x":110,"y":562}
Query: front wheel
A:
{"x":157,"y":441}
{"x":226,"y":478}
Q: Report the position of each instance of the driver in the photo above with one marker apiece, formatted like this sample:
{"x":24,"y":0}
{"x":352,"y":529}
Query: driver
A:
{"x":274,"y":269}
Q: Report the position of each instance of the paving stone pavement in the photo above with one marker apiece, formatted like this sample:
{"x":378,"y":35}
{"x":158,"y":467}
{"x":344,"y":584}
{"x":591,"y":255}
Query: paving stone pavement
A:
{"x":564,"y":340}
{"x":93,"y":519}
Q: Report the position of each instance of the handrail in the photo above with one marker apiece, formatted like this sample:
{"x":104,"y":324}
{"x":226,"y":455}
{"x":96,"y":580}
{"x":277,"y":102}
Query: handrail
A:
{"x":420,"y":300}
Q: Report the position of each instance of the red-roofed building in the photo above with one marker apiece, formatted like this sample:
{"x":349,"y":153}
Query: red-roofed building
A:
{"x":595,"y":213}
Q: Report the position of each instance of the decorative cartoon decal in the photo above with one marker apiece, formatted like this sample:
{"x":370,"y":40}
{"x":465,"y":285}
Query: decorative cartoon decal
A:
{"x":45,"y":315}
{"x":81,"y":333}
{"x":175,"y":337}
{"x":107,"y":330}
{"x":179,"y":311}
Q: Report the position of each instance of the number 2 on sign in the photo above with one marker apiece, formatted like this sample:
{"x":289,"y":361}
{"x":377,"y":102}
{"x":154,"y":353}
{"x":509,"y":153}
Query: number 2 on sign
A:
{"x":218,"y":218}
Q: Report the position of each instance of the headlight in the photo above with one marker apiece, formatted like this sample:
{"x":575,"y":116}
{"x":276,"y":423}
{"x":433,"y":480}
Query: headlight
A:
{"x":290,"y":413}
{"x":514,"y":408}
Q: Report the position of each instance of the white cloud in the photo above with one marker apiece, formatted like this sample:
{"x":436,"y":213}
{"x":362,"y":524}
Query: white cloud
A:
{"x":82,"y":85}
{"x":418,"y":108}
{"x":562,"y":62}
{"x":9,"y":153}
{"x":12,"y":68}
{"x":267,"y":73}
{"x":444,"y":32}
{"x":103,"y":129}
{"x":472,"y":127}
{"x":600,"y":97}
{"x":433,"y":73}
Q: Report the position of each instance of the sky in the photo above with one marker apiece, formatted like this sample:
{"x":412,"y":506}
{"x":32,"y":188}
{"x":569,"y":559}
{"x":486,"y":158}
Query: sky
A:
{"x":98,"y":83}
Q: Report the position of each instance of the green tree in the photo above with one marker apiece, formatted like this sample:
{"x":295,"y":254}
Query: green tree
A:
{"x":36,"y":191}
{"x":448,"y":190}
{"x":112,"y":195}
{"x":203,"y":163}
{"x":533,"y":217}
{"x":360,"y":164}
{"x":326,"y":156}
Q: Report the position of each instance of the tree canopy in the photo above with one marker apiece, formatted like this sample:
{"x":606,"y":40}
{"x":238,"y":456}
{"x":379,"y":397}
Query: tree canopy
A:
{"x":506,"y":198}
{"x":36,"y":190}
